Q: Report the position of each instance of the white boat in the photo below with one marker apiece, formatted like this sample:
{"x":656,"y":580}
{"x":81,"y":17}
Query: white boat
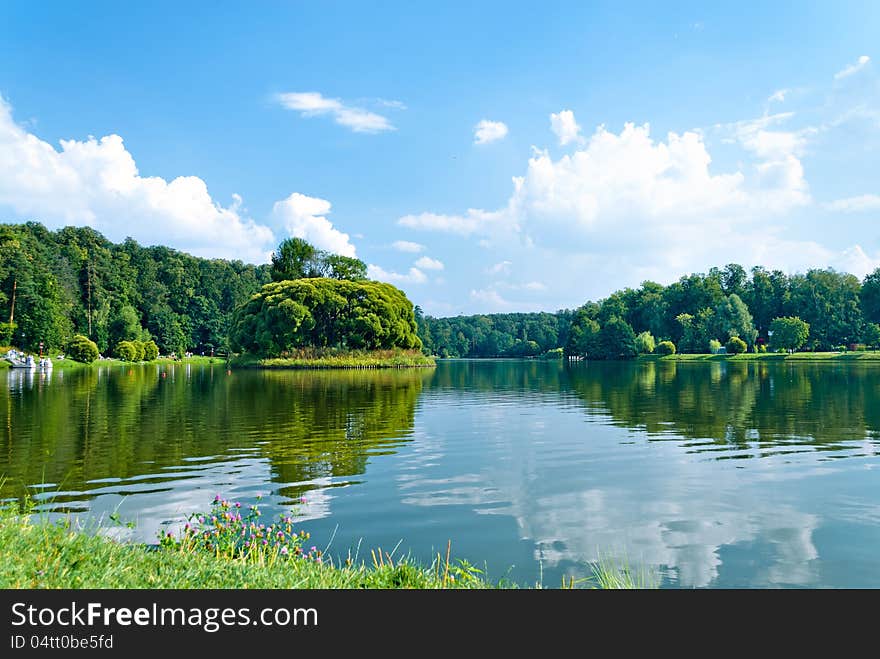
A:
{"x":17,"y":360}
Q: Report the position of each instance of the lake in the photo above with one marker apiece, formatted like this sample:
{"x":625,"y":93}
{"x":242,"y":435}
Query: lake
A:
{"x":711,"y":474}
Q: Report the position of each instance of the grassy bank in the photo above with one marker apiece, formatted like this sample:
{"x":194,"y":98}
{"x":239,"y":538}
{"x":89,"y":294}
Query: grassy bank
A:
{"x":37,"y":553}
{"x":873,"y":356}
{"x":320,"y":359}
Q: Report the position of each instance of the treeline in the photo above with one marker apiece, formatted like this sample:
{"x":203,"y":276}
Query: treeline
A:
{"x":822,"y":309}
{"x":58,"y":284}
{"x":495,"y":335}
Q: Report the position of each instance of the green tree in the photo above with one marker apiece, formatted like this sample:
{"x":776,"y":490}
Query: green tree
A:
{"x":82,"y":349}
{"x":645,"y":343}
{"x":732,"y":318}
{"x":788,"y":333}
{"x":665,"y":348}
{"x":151,"y":350}
{"x":736,"y":345}
{"x":616,"y":340}
{"x":870,"y":297}
{"x":126,"y":351}
{"x":295,"y":258}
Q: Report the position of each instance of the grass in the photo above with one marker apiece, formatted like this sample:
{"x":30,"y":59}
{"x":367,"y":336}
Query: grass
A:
{"x":38,"y":553}
{"x":873,"y":356}
{"x":329,"y":358}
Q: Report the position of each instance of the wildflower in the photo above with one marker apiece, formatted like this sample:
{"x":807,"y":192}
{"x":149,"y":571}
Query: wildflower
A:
{"x":284,"y":550}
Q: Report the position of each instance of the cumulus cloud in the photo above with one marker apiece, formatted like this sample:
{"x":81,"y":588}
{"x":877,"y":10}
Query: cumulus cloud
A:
{"x":303,"y":217}
{"x":427,"y":263}
{"x":314,"y":104}
{"x":865,"y":202}
{"x":413,"y":276}
{"x":489,"y":131}
{"x":853,"y":68}
{"x":96,"y":182}
{"x":565,"y":127}
{"x":408,"y":246}
{"x":473,"y":221}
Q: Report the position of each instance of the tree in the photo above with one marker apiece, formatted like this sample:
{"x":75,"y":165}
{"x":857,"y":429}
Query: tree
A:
{"x":151,"y":350}
{"x":82,"y":349}
{"x":345,"y":267}
{"x":665,"y":348}
{"x":616,"y":340}
{"x":321,"y":312}
{"x":829,"y":302}
{"x":125,"y":326}
{"x":788,"y":333}
{"x":582,"y":335}
{"x":872,"y":335}
{"x":732,"y":318}
{"x":294,"y":259}
{"x":736,"y":345}
{"x":870,"y":297}
{"x":645,"y":343}
{"x":126,"y":351}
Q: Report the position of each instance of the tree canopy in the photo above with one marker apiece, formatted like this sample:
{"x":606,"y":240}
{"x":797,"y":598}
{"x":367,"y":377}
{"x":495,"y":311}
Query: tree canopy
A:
{"x":323,"y":312}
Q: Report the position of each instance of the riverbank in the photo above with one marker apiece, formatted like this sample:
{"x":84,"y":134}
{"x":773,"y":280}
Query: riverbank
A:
{"x":37,"y":553}
{"x":873,"y":356}
{"x":318,"y":359}
{"x":72,"y":364}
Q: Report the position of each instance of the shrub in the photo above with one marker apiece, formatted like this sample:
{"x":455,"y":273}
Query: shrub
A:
{"x":762,"y":348}
{"x":126,"y":351}
{"x":82,"y":349}
{"x":714,"y":346}
{"x":139,"y":350}
{"x":736,"y":345}
{"x":645,"y":343}
{"x":151,"y":350}
{"x":665,"y":348}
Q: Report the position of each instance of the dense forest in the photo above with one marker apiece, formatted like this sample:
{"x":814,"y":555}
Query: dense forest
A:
{"x":732,"y":307}
{"x":55,"y":285}
{"x":58,"y":284}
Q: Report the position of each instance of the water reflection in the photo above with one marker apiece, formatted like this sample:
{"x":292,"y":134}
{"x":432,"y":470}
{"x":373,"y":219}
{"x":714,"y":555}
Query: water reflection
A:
{"x":715,"y":473}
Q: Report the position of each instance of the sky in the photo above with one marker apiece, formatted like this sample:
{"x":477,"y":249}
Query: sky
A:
{"x":484,"y":157}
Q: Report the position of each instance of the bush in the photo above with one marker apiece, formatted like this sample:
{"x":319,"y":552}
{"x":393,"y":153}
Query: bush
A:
{"x":665,"y":348}
{"x":151,"y":350}
{"x":82,"y":349}
{"x":645,"y":343}
{"x":126,"y":351}
{"x":762,"y":348}
{"x":714,"y":346}
{"x":736,"y":345}
{"x":139,"y":350}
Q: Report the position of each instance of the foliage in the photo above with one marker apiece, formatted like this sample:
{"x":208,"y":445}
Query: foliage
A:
{"x":872,"y":335}
{"x":788,"y":333}
{"x":645,"y":343}
{"x":82,"y":349}
{"x":665,"y":348}
{"x":736,"y":346}
{"x":126,"y":351}
{"x":714,"y":346}
{"x":297,"y":259}
{"x":616,"y":340}
{"x":151,"y":350}
{"x":321,"y":312}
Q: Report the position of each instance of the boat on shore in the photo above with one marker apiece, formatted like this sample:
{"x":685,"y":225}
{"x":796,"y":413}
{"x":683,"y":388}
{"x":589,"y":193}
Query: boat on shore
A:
{"x":20,"y":360}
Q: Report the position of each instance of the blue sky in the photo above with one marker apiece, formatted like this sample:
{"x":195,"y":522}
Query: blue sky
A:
{"x":534,"y":156}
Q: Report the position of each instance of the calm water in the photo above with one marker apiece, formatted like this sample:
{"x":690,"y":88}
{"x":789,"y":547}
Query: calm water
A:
{"x":716,"y":474}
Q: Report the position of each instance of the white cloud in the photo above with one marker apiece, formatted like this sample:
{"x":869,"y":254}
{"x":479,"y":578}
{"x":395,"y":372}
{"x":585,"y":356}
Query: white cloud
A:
{"x":407,"y":246}
{"x":502,"y":267}
{"x":393,"y":104}
{"x":313,"y":104}
{"x":489,"y":131}
{"x":473,"y":221}
{"x":490,"y":299}
{"x":778,"y":96}
{"x":427,"y":263}
{"x":304,"y":218}
{"x":865,"y":202}
{"x":414,"y":276}
{"x":97,"y":183}
{"x":565,"y":127}
{"x":534,"y":286}
{"x":854,"y":68}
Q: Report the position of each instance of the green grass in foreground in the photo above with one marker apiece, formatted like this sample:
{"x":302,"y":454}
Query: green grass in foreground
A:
{"x":319,"y":359}
{"x":37,"y":553}
{"x":873,"y":356}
